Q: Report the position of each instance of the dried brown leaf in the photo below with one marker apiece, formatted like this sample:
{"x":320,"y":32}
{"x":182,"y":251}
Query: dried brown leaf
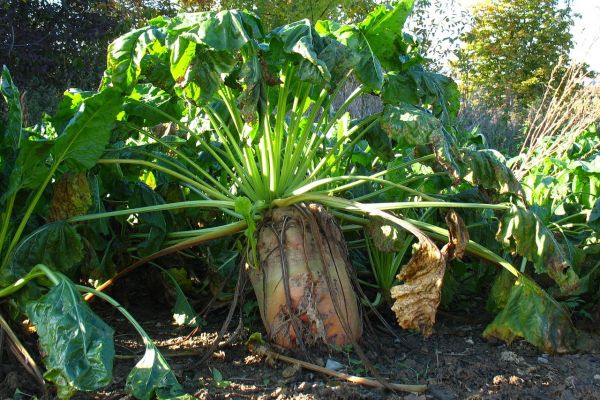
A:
{"x":417,"y":300}
{"x":459,"y":236}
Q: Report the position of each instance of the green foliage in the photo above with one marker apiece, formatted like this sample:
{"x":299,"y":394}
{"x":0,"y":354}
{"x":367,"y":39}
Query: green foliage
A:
{"x":56,"y":245}
{"x":532,"y":314}
{"x":206,"y":122}
{"x":383,"y":30}
{"x":153,"y":378}
{"x":78,"y":345}
{"x":512,"y":48}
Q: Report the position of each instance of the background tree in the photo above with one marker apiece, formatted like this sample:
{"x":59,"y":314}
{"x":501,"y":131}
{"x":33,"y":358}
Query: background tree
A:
{"x":53,"y":45}
{"x":512,"y":49}
{"x":438,"y":26}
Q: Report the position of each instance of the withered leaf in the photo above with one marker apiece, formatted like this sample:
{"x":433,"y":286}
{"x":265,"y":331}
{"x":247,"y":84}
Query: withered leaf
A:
{"x":417,"y":300}
{"x":459,"y":235}
{"x":72,"y":196}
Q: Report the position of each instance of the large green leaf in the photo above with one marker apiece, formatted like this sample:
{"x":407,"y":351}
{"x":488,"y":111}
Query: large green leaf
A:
{"x":420,"y":87}
{"x":157,"y":98}
{"x":366,"y":65}
{"x":56,"y":245}
{"x":383,"y":30}
{"x":487,"y":168}
{"x":77,"y":344}
{"x":522,"y":231}
{"x":413,"y":126}
{"x":68,"y":106}
{"x":152,"y":377}
{"x":198,"y":72}
{"x":125,"y":56}
{"x":228,"y":30}
{"x":533,"y":315}
{"x":299,"y":39}
{"x":85,"y":137}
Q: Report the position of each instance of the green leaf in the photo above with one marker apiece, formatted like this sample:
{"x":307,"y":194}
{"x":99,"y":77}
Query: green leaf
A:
{"x":30,"y":168}
{"x":300,"y":40}
{"x":152,"y":377}
{"x":157,"y":98}
{"x":153,"y":222}
{"x":501,"y":289}
{"x":85,"y":137}
{"x":522,"y":231}
{"x":56,"y":245}
{"x":198,"y":71}
{"x":228,"y":30}
{"x":533,"y":315}
{"x":125,"y":54}
{"x":487,"y":168}
{"x":366,"y":65}
{"x":420,"y":87}
{"x":183,"y":312}
{"x":12,"y":135}
{"x":400,"y":87}
{"x":412,"y":126}
{"x":68,"y":106}
{"x":78,"y":345}
{"x":386,"y":236}
{"x":383,"y":30}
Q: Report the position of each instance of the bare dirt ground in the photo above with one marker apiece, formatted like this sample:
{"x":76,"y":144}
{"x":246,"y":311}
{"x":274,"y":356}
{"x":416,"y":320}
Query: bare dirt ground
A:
{"x":454,"y":363}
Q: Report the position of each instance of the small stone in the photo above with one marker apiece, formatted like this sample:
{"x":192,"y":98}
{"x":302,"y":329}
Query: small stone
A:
{"x":597,"y":377}
{"x":510,"y":357}
{"x":469,"y":341}
{"x":276,"y":392}
{"x":542,"y":360}
{"x":333,"y":365}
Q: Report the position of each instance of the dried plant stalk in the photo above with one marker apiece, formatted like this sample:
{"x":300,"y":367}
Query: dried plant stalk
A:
{"x":566,"y":109}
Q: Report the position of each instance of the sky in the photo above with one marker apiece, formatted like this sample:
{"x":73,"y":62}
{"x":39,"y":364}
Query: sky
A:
{"x":586,"y":31}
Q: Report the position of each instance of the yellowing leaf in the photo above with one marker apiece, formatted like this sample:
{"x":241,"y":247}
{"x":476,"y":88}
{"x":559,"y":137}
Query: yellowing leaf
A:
{"x":72,"y":196}
{"x":532,"y":314}
{"x":459,"y":235}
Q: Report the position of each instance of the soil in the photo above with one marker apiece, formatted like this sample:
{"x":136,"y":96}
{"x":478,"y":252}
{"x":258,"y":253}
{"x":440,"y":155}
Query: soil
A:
{"x":455,"y":363}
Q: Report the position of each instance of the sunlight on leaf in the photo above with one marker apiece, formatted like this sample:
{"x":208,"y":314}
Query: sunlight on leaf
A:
{"x":152,"y":376}
{"x":522,"y":231}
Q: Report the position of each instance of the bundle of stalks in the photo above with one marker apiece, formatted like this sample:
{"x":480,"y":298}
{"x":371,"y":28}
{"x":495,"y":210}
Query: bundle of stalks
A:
{"x":568,"y":107}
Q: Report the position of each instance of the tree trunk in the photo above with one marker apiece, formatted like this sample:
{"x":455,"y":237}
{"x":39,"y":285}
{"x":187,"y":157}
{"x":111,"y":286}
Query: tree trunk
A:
{"x":303,"y":284}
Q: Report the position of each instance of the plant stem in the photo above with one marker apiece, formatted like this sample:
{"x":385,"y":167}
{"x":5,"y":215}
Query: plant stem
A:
{"x":6,"y":221}
{"x":225,"y":231}
{"x":161,"y":207}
